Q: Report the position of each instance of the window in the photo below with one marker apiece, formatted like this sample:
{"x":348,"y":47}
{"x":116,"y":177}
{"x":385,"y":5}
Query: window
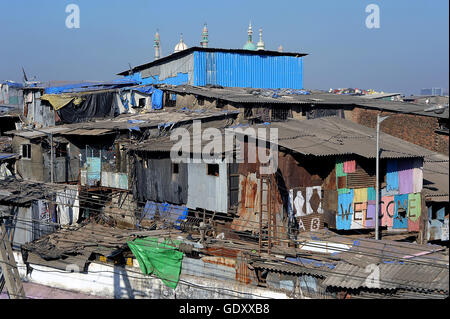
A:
{"x":175,"y":168}
{"x":213,"y":169}
{"x":200,"y":101}
{"x":141,"y":102}
{"x":26,"y":151}
{"x":61,"y":150}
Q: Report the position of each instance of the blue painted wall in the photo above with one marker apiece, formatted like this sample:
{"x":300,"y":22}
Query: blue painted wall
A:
{"x":246,"y":70}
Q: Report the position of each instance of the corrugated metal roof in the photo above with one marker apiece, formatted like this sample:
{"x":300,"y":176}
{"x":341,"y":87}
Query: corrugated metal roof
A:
{"x":435,"y":175}
{"x":392,"y":276}
{"x":335,"y":136}
{"x":87,"y":132}
{"x":125,"y":122}
{"x":261,"y":96}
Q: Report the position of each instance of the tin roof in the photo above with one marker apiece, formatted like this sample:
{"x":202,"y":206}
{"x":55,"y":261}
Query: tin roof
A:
{"x":391,"y":276}
{"x":335,"y":136}
{"x":435,"y":175}
{"x":315,"y":97}
{"x":123,"y":122}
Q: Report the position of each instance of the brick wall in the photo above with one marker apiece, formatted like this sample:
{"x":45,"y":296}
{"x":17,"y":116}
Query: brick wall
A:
{"x":416,"y":129}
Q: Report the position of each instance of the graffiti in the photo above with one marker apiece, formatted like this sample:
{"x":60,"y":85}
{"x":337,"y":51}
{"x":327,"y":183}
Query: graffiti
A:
{"x":307,"y":207}
{"x":400,"y":204}
{"x":398,"y":212}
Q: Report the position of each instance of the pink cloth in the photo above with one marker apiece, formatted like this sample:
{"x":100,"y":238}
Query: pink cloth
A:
{"x":349,"y":166}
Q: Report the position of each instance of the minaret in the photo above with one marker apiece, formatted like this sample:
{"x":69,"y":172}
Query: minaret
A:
{"x":280,"y":48}
{"x":157,"y":46}
{"x":260,"y":44}
{"x":250,"y":45}
{"x":204,"y":42}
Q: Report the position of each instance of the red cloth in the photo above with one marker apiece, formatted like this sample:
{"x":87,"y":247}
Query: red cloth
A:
{"x":349,"y":166}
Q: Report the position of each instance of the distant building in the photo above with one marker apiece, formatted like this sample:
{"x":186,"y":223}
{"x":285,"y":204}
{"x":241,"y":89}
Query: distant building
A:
{"x":432,"y":91}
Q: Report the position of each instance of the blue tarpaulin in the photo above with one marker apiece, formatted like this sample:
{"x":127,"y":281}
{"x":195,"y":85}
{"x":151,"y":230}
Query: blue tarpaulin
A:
{"x":157,"y":99}
{"x":170,"y":213}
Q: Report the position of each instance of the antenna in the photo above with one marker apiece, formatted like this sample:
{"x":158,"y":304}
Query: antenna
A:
{"x":131,"y":69}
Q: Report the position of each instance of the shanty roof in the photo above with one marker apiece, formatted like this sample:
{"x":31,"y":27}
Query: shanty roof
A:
{"x":335,"y":136}
{"x":75,"y":245}
{"x":391,"y":276}
{"x":124,"y":122}
{"x":435,"y":175}
{"x":188,"y":51}
{"x":298,"y":97}
{"x":165,"y":144}
{"x":22,"y":192}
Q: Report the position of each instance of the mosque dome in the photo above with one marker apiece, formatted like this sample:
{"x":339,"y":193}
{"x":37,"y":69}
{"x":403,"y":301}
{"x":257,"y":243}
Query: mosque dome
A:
{"x":250,"y":45}
{"x":180,"y":45}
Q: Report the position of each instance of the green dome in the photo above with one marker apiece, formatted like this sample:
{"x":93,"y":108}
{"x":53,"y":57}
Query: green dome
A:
{"x":250,"y":46}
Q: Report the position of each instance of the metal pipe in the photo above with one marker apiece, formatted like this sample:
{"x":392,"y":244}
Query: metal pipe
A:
{"x":377,"y":182}
{"x":51,"y":159}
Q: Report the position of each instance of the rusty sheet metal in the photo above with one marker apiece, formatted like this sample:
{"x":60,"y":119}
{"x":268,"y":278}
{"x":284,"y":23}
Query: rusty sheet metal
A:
{"x":244,"y":274}
{"x":221,"y":251}
{"x":360,"y":179}
{"x":218,"y":260}
{"x":249,"y":204}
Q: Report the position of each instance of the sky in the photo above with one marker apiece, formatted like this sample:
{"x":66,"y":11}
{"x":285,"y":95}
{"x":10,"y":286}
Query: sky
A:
{"x":409,"y":50}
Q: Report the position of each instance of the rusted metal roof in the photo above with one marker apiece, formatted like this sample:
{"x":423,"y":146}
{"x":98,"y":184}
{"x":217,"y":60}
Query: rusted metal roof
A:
{"x":335,"y":136}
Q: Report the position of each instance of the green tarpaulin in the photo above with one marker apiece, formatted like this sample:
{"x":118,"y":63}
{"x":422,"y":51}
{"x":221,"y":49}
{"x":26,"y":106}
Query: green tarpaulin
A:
{"x":163,"y":259}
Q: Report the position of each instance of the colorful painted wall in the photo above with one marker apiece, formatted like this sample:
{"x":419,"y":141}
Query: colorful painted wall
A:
{"x":400,"y":198}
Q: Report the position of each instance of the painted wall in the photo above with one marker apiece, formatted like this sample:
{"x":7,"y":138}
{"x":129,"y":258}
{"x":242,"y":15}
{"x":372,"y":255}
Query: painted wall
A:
{"x":400,"y":199}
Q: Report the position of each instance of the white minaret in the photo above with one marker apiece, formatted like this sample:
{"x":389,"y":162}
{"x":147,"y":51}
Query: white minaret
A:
{"x":260,"y":44}
{"x":157,"y":46}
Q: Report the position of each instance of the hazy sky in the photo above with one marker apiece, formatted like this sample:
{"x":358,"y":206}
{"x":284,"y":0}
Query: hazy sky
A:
{"x":408,"y":52}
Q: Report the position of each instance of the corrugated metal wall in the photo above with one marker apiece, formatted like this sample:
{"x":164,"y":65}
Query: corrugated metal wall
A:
{"x":246,"y":70}
{"x":205,"y":191}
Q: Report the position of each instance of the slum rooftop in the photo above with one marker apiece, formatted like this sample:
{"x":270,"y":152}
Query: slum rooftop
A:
{"x":336,"y":136}
{"x":288,"y":96}
{"x":124,"y":122}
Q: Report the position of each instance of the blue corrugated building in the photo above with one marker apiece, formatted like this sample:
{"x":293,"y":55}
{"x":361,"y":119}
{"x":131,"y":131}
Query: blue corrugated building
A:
{"x":225,"y":67}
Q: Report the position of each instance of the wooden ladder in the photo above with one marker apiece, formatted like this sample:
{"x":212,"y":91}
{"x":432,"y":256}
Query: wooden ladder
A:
{"x":9,"y":267}
{"x":265,"y":210}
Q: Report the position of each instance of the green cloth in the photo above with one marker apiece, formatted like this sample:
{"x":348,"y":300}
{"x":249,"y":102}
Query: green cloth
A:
{"x":161,"y":259}
{"x":58,"y":101}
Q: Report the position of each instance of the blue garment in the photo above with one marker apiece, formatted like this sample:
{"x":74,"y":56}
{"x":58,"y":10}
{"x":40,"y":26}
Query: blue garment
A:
{"x":157,"y":99}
